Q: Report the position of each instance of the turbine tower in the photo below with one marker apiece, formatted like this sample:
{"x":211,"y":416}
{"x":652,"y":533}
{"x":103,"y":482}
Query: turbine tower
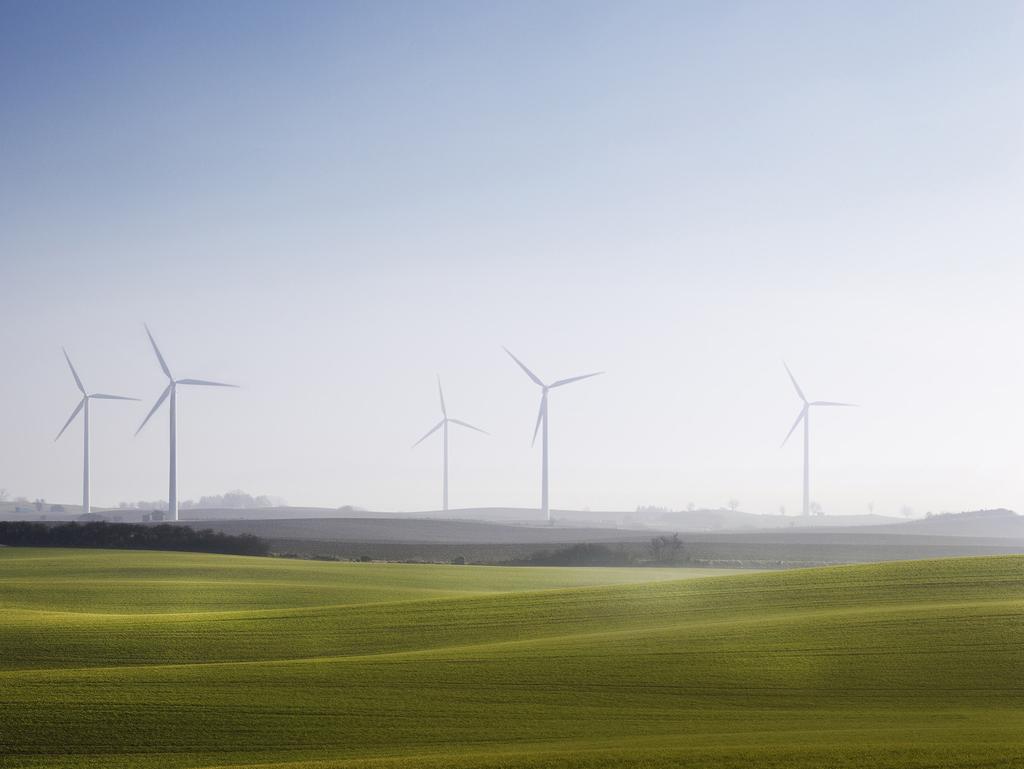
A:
{"x":83,"y":406}
{"x":172,"y":390}
{"x":443,"y":425}
{"x":804,"y":416}
{"x":542,"y":418}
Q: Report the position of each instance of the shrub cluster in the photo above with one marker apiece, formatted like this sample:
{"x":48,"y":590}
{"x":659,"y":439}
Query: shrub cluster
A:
{"x":129,"y":536}
{"x":583,"y":554}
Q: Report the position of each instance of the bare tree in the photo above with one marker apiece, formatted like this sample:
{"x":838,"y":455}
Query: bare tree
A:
{"x":4,"y":496}
{"x":734,"y":504}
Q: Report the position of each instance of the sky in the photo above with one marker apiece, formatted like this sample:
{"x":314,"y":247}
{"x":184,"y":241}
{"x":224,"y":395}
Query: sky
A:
{"x":330,"y":204}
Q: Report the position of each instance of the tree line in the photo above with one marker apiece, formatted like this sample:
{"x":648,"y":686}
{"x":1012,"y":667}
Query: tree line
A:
{"x":664,"y":550}
{"x":236,"y":500}
{"x":129,"y":536}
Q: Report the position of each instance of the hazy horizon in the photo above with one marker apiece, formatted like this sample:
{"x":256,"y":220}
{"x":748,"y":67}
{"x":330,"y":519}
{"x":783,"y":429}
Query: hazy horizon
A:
{"x":331,"y":204}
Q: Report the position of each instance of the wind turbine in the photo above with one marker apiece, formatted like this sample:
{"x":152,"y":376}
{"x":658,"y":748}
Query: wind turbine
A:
{"x":83,"y":406}
{"x":542,"y":417}
{"x":443,"y":425}
{"x":804,"y":415}
{"x":172,"y":390}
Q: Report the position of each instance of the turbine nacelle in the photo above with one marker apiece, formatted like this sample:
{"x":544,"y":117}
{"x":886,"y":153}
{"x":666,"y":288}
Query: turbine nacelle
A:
{"x":544,"y":388}
{"x":445,"y":419}
{"x":807,"y":404}
{"x":86,"y":396}
{"x":172,"y":383}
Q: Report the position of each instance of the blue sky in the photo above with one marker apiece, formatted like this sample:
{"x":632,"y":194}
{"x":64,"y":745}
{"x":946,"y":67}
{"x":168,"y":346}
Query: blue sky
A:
{"x":331,"y":202}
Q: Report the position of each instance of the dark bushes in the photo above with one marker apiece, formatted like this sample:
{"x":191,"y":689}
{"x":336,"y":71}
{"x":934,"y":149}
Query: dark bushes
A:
{"x":583,"y":554}
{"x":129,"y":536}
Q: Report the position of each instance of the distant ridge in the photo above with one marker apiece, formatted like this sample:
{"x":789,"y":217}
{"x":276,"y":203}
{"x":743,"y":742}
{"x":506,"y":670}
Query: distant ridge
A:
{"x":703,"y":520}
{"x":425,"y":530}
{"x":998,"y":523}
{"x":693,"y":520}
{"x":735,"y":520}
{"x":995,"y":523}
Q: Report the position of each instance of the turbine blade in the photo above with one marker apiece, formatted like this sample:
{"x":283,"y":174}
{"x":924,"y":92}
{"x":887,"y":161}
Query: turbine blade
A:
{"x":203,"y":382}
{"x":159,"y":357}
{"x":800,"y":416}
{"x":74,"y":373}
{"x":523,"y":367}
{"x":441,"y":393}
{"x":570,"y":380}
{"x":106,"y":397}
{"x":831,"y":403}
{"x":540,"y":415}
{"x":432,"y":430}
{"x":467,"y":424}
{"x":71,"y":419}
{"x":156,"y":405}
{"x":793,"y":380}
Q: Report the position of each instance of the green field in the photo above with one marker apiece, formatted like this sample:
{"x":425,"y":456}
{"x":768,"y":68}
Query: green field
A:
{"x":130,"y":659}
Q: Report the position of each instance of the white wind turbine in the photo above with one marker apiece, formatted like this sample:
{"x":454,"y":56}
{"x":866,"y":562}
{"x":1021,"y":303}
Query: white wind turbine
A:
{"x":804,"y":416}
{"x":172,"y":390}
{"x":443,"y":425}
{"x":83,"y":406}
{"x":542,"y":418}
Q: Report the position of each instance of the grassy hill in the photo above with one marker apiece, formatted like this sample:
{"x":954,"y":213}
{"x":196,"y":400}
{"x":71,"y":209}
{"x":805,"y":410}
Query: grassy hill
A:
{"x":127,"y":659}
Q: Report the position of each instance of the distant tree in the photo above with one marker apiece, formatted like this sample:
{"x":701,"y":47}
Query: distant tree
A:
{"x":666,"y":549}
{"x":907,"y":511}
{"x":871,"y":508}
{"x":652,"y":509}
{"x":690,"y":507}
{"x":3,"y":495}
{"x":734,"y":504}
{"x":816,"y":509}
{"x":236,"y":499}
{"x":782,"y":510}
{"x":159,"y":504}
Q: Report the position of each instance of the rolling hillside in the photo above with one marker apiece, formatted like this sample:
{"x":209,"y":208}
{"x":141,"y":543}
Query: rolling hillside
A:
{"x":129,"y":659}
